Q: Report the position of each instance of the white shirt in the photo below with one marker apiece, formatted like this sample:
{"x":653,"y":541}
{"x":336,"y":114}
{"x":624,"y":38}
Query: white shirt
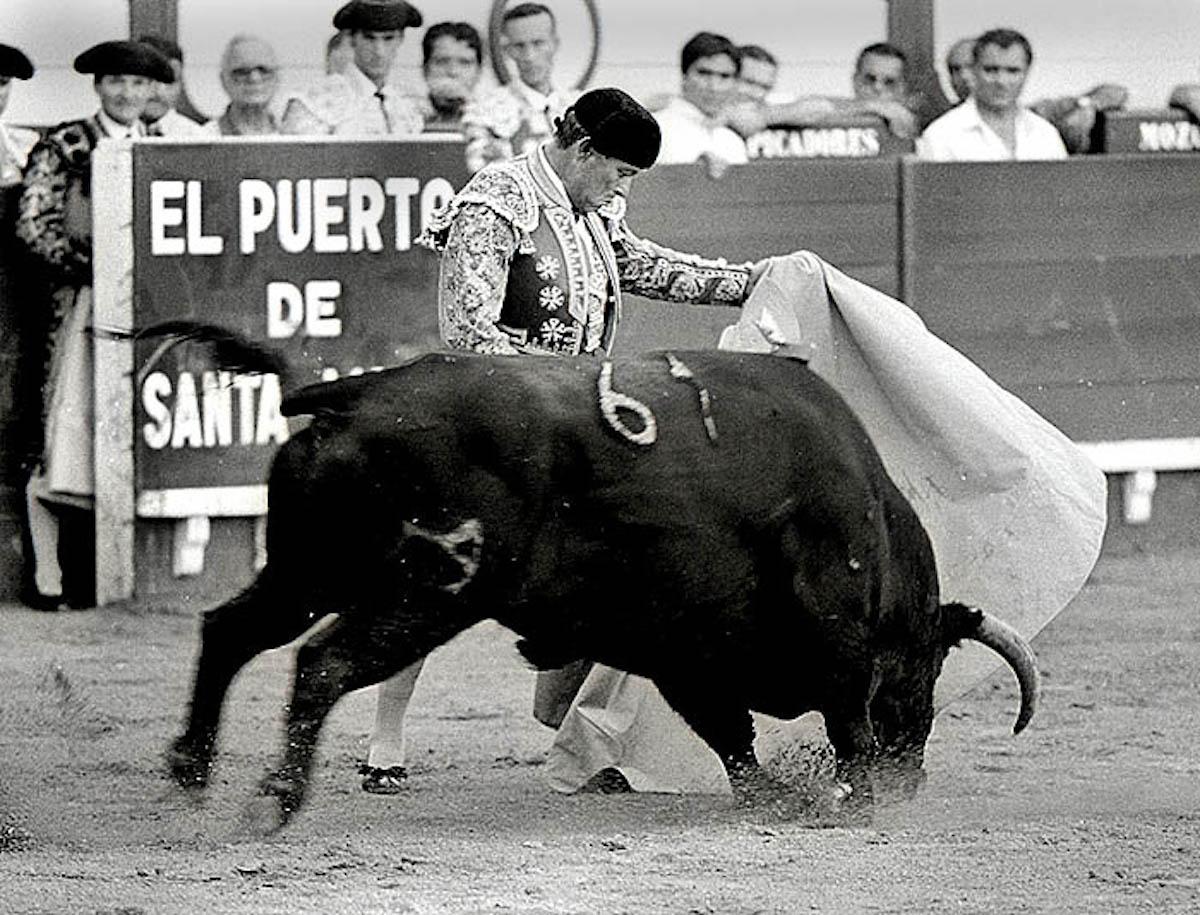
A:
{"x":119,"y":131}
{"x":351,"y":104}
{"x":16,"y":143}
{"x":961,"y":135}
{"x":174,"y":124}
{"x":595,"y":276}
{"x":688,"y":134}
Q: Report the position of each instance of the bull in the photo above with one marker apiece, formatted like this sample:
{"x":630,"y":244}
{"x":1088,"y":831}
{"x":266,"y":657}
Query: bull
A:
{"x":717,"y":522}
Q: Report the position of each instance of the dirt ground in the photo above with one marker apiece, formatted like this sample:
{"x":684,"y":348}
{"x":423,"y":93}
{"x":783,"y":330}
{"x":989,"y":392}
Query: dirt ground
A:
{"x":1095,"y":809}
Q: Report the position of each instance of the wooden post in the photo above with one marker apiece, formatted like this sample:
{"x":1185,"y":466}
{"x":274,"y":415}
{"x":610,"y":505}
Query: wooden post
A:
{"x":112,"y":247}
{"x":910,"y":28}
{"x":161,"y":18}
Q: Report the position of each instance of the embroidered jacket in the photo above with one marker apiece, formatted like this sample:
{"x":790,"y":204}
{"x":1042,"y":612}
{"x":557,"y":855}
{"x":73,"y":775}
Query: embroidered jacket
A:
{"x":521,"y":272}
{"x":61,"y":164}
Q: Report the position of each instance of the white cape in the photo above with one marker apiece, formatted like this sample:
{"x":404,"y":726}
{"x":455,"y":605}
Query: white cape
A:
{"x":1015,"y":511}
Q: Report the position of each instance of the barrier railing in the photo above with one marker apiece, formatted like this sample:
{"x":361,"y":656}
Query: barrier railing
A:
{"x":1074,"y":284}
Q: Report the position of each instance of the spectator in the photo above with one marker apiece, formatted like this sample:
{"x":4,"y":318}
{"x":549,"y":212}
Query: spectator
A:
{"x":515,"y":118}
{"x":692,"y":124}
{"x":451,"y":61}
{"x":880,"y":86}
{"x":363,"y":101}
{"x":339,"y":53}
{"x":1073,"y":116}
{"x":959,"y":59}
{"x":54,"y":222}
{"x":250,"y":77}
{"x":991,"y":124}
{"x":758,"y":74}
{"x":16,"y":143}
{"x":160,"y":115}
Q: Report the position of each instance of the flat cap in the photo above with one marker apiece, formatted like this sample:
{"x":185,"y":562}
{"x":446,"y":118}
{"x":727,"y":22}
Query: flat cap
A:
{"x":125,"y":58}
{"x":377,"y":16}
{"x":619,"y":127}
{"x":14,"y":64}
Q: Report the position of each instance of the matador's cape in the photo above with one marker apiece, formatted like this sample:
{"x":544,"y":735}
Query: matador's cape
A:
{"x":1016,"y":512}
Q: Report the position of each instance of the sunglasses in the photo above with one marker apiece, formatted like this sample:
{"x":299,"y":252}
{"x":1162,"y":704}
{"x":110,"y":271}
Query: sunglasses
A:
{"x":243,"y":74}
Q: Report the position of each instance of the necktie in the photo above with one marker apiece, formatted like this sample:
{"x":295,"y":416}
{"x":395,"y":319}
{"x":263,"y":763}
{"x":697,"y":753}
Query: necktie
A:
{"x":387,"y":121}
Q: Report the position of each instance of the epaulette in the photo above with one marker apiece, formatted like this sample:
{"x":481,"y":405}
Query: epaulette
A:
{"x":506,"y":188}
{"x":74,"y":142}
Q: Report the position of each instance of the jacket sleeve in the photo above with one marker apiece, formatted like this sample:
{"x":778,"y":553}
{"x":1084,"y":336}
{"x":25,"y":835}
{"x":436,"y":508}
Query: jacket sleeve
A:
{"x":657,"y":272}
{"x":472,"y":280}
{"x":41,"y":217}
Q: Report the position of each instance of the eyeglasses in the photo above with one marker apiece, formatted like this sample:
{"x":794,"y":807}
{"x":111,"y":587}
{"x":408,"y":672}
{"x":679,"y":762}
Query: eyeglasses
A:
{"x":243,"y":74}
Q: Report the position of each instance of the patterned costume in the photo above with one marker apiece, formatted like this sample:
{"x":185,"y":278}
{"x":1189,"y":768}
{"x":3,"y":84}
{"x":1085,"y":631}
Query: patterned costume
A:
{"x":350,"y":104}
{"x":521,"y":272}
{"x":54,"y":222}
{"x":510,"y":120}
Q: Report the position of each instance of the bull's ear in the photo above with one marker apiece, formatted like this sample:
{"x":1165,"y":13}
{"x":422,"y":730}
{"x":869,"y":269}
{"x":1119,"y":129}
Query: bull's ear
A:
{"x":959,"y":622}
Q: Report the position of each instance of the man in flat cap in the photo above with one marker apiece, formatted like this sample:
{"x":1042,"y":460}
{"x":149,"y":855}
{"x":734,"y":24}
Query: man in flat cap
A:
{"x":16,"y":143}
{"x":54,"y":222}
{"x":535,"y":256}
{"x":364,"y":100}
{"x":161,"y":115}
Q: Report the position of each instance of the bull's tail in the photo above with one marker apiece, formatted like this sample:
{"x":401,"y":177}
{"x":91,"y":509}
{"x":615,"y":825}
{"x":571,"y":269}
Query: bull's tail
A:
{"x":963,"y":622}
{"x":228,"y":348}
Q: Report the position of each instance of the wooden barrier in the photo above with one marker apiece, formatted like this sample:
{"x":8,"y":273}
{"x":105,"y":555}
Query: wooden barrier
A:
{"x":1149,"y":130}
{"x":1076,"y":285}
{"x":846,"y":211}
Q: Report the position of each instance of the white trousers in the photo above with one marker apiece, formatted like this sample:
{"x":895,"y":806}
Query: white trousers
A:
{"x":391,"y":705}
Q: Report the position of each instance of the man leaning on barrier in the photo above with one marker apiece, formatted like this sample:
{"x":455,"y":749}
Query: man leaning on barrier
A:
{"x":55,"y":223}
{"x":250,"y":77}
{"x":880,"y":85}
{"x":518,"y":116}
{"x":992,"y":124}
{"x":364,"y":100}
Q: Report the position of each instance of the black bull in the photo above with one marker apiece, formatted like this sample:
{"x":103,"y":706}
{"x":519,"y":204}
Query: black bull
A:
{"x":755,"y":556}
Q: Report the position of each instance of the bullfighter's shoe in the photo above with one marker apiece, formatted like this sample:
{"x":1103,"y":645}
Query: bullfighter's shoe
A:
{"x":383,"y":781}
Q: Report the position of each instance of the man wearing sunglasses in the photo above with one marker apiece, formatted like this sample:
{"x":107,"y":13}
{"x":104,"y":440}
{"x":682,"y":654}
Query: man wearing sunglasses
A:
{"x":250,"y":77}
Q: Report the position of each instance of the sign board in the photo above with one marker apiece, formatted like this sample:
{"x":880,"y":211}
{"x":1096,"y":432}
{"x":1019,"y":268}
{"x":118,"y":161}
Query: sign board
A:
{"x":1166,"y":130}
{"x":306,"y":247}
{"x":855,"y":138}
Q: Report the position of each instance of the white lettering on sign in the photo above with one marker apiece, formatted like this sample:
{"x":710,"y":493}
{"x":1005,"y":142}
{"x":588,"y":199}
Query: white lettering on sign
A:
{"x":815,"y":143}
{"x":180,"y":417}
{"x":335,"y":215}
{"x":328,"y":215}
{"x":366,"y":205}
{"x":1168,"y":136}
{"x":314,"y":307}
{"x":163,"y":216}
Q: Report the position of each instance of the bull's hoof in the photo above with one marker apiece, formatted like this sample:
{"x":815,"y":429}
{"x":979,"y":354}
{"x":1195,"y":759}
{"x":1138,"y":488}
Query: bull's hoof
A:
{"x":188,"y":768}
{"x":843,"y":807}
{"x":265,"y":815}
{"x":278,"y":799}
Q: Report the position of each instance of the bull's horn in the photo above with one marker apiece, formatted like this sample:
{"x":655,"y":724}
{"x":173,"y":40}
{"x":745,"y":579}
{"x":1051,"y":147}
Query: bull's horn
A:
{"x":1007,"y":642}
